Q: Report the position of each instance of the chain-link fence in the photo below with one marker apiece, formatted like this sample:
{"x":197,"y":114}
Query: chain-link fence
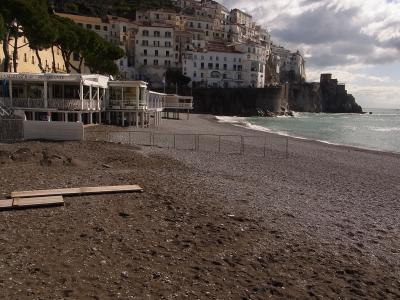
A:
{"x":11,"y":130}
{"x":257,"y":145}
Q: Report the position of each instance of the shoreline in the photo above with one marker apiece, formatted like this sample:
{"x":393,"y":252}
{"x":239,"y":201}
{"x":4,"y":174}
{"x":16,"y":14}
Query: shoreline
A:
{"x":206,"y":124}
{"x":247,"y":125}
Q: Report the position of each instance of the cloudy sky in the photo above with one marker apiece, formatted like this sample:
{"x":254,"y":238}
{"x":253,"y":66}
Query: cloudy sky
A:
{"x":356,"y":40}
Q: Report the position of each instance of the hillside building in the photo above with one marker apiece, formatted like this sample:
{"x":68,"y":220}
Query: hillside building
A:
{"x":158,"y":40}
{"x":223,"y":66}
{"x":155,"y":52}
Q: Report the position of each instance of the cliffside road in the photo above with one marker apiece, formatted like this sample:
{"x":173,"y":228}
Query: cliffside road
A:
{"x":323,"y":223}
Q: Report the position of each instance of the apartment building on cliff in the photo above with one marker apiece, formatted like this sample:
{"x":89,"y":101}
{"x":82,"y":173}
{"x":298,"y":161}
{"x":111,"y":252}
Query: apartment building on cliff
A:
{"x":223,"y":66}
{"x":155,"y":52}
{"x":291,"y":65}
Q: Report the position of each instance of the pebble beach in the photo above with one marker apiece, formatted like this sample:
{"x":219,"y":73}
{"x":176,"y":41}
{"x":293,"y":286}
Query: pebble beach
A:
{"x":321,"y":222}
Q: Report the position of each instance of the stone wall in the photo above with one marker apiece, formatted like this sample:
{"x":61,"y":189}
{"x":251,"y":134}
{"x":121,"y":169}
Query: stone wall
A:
{"x":241,"y":101}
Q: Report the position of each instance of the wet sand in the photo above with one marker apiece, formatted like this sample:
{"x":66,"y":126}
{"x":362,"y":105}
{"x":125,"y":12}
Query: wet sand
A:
{"x":321,"y":224}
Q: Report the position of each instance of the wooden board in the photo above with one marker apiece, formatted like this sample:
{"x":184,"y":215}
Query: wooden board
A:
{"x":38,"y":201}
{"x":78,"y":191}
{"x":6,"y":204}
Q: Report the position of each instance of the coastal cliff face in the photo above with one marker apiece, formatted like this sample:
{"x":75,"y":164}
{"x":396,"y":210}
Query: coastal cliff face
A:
{"x":305,"y":97}
{"x":326,"y":96}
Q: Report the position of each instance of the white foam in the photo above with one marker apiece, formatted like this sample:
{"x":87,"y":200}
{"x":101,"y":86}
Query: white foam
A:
{"x":232,"y":120}
{"x":241,"y":122}
{"x":385,"y":129}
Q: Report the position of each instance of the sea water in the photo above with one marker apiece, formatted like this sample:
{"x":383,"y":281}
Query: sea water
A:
{"x":378,"y":131}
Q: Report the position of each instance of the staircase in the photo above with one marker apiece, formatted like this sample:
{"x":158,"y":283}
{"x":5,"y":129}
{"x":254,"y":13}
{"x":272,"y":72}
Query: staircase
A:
{"x":5,"y":112}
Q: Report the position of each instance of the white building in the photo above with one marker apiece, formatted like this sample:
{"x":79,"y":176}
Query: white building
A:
{"x":222,"y":66}
{"x":155,"y":52}
{"x":238,"y":16}
{"x":291,"y":66}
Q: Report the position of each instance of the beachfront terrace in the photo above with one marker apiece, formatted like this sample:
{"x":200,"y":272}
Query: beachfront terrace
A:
{"x":127,"y":95}
{"x":51,"y":92}
{"x":134,"y":95}
{"x":178,"y":102}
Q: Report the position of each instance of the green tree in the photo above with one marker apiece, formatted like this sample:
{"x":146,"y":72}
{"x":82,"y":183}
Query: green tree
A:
{"x":29,"y":18}
{"x":100,"y":55}
{"x":6,"y":12}
{"x":67,"y":39}
{"x":174,"y":76}
{"x":2,"y":27}
{"x":38,"y":28}
{"x":86,"y":45}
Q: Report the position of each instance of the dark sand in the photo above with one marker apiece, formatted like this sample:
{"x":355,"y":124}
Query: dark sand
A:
{"x":323,"y":223}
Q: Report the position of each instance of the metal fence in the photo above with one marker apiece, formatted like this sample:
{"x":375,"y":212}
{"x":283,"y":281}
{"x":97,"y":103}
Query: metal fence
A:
{"x":11,"y":130}
{"x":258,"y":145}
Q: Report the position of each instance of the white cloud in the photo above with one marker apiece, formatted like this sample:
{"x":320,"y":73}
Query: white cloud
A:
{"x":344,"y":37}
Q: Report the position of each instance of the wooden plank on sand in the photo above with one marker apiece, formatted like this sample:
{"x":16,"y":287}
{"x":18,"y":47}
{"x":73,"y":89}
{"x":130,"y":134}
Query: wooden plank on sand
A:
{"x":6,"y":204}
{"x":38,"y":201}
{"x":78,"y":191}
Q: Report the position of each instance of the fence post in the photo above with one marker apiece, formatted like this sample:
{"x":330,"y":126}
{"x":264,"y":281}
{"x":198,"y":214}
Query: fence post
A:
{"x":108,"y":136}
{"x":265,"y":145}
{"x":287,"y":148}
{"x":174,"y":141}
{"x":150,"y":137}
{"x":219,"y":144}
{"x":242,"y":145}
{"x":129,"y":142}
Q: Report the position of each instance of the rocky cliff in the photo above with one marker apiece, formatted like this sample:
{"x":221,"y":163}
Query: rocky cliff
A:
{"x":326,"y":96}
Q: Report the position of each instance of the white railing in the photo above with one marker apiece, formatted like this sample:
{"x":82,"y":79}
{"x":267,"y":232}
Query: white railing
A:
{"x":179,"y":105}
{"x":127,"y":104}
{"x":70,"y":104}
{"x":54,"y":103}
{"x":156,"y":100}
{"x":25,"y":102}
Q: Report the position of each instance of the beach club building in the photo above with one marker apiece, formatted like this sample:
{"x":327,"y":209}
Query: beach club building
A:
{"x":89,"y":99}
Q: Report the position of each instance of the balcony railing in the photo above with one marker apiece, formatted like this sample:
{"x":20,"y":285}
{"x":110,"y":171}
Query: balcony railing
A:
{"x":178,"y":105}
{"x":73,"y":104}
{"x":126,"y":104}
{"x":25,"y":102}
{"x":53,"y":103}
